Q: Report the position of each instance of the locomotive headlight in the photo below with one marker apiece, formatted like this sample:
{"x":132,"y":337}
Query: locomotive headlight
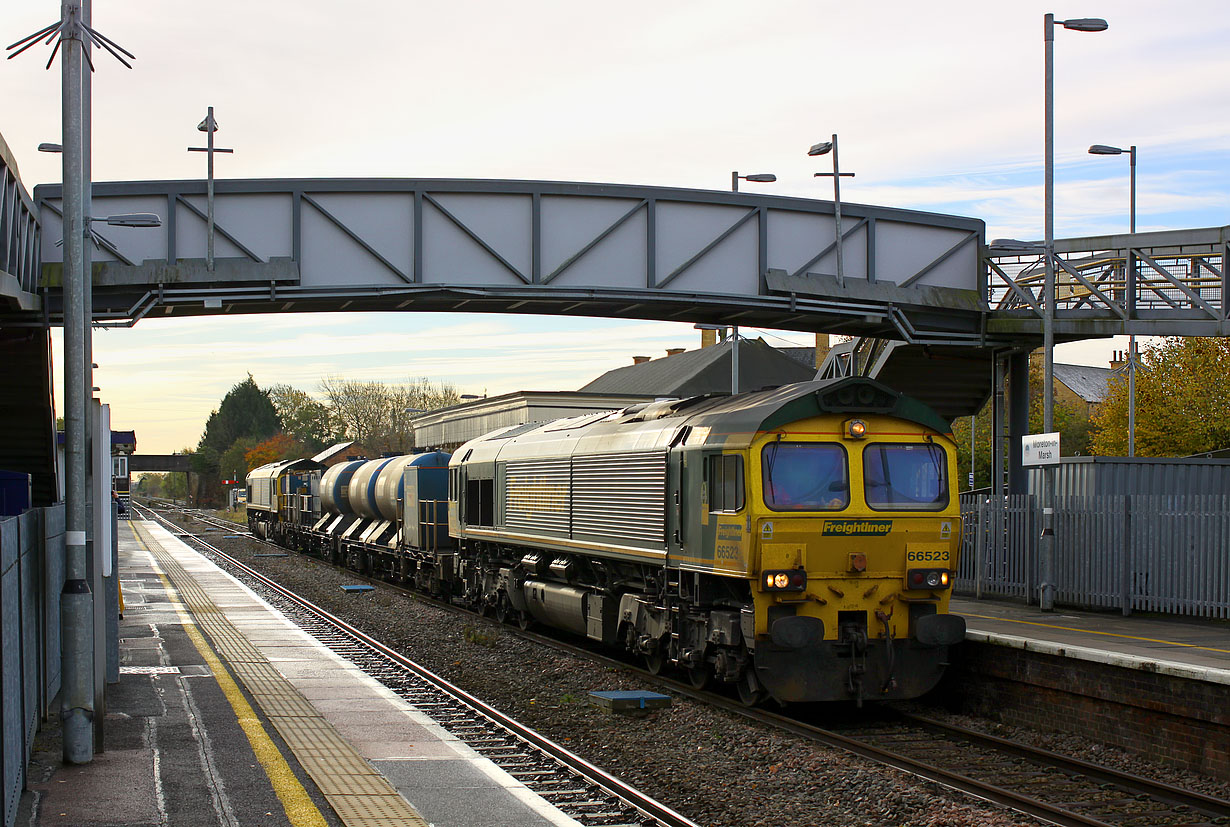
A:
{"x":784,"y":580}
{"x":855,"y":429}
{"x":933,"y":578}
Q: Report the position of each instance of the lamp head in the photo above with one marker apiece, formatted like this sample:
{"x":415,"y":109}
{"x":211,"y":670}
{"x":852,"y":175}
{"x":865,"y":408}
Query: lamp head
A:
{"x":1085,"y":24}
{"x":1103,"y":149}
{"x":760,"y":178}
{"x":822,"y":148}
{"x":136,"y":219}
{"x":50,"y":147}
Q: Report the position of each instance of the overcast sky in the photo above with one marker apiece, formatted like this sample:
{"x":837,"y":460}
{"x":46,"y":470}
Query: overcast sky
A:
{"x":938,"y":106}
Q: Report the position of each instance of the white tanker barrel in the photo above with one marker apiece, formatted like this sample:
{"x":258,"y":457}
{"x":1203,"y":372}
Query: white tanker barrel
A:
{"x":363,"y":487}
{"x":335,"y":487}
{"x":391,"y":485}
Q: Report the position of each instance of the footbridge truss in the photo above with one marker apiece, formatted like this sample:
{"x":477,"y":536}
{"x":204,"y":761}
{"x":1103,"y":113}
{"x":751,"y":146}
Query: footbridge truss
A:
{"x":528,"y":247}
{"x":19,"y":240}
{"x":1170,"y":283}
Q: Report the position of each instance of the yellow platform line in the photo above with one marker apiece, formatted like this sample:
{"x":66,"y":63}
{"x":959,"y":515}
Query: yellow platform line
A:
{"x":359,"y":795}
{"x":1104,"y":634}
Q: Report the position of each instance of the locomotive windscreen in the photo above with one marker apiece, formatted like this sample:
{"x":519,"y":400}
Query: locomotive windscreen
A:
{"x":905,"y":477}
{"x":805,"y":476}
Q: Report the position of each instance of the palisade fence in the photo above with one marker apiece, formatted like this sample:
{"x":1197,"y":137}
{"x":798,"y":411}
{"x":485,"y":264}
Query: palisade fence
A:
{"x":31,"y":578}
{"x":1165,"y":553}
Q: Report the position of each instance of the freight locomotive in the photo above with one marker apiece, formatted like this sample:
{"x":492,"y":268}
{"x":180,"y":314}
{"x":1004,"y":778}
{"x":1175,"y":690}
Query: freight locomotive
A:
{"x":797,"y":543}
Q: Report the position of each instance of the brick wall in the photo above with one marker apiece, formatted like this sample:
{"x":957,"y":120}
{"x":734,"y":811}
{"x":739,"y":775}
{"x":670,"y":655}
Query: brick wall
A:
{"x":1173,"y":720}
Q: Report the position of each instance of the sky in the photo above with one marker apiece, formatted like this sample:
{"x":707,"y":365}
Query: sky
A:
{"x":938,"y":107}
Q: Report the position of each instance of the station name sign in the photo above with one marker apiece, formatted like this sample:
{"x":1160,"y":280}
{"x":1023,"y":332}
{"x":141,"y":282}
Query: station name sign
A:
{"x":1040,"y":449}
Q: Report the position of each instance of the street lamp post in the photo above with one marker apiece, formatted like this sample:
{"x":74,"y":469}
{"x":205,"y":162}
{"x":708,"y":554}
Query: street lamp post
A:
{"x":209,"y":126}
{"x":755,"y":178}
{"x":825,"y":148}
{"x":1102,"y":149}
{"x":73,"y":36}
{"x":1046,"y":551}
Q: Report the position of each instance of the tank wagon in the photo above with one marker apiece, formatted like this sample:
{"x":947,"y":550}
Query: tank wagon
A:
{"x":797,"y":543}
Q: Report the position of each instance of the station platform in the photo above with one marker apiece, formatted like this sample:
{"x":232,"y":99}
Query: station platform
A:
{"x":227,"y":713}
{"x":1189,"y":648}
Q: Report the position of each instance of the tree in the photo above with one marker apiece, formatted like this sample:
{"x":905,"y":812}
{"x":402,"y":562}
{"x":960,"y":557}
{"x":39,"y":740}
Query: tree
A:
{"x":1182,"y":401}
{"x":982,"y":439}
{"x":233,"y":463}
{"x":244,"y":411}
{"x":360,"y":409}
{"x":374,"y":413}
{"x":302,"y":417}
{"x":277,"y":447}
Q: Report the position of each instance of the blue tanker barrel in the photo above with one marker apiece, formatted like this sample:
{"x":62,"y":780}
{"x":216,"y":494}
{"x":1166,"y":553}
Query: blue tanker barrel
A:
{"x":363,"y":488}
{"x":433,"y":476}
{"x":425,"y":524}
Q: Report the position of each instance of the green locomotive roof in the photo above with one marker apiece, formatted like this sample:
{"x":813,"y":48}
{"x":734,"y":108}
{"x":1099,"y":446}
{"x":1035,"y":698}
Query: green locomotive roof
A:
{"x":731,"y":420}
{"x":768,"y":410}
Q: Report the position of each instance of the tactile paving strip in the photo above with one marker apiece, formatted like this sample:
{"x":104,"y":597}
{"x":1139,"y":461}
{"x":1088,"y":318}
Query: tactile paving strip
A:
{"x":359,"y":795}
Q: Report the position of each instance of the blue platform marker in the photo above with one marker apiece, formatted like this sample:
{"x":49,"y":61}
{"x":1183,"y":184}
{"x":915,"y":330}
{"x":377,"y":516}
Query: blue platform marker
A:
{"x":358,"y":588}
{"x":231,"y":536}
{"x":627,"y":701}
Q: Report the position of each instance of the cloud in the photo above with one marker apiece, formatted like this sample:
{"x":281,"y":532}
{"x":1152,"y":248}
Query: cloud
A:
{"x":937,"y":108}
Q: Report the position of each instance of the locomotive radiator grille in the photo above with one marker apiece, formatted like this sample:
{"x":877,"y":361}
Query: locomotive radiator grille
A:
{"x":620,"y":496}
{"x":537,"y":496}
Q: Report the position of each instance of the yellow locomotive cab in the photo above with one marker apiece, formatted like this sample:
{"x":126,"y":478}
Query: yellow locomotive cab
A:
{"x":861,"y":512}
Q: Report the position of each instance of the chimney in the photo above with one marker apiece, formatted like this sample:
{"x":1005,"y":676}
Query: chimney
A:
{"x":638,"y":360}
{"x":1118,"y":359}
{"x":708,"y":338}
{"x":822,"y":348}
{"x":671,"y":351}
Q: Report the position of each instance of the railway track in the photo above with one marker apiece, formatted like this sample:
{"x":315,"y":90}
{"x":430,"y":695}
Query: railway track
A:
{"x":576,"y":787}
{"x":1054,"y":788}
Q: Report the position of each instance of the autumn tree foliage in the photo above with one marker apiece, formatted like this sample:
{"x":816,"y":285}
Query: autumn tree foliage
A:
{"x":1182,"y":401}
{"x":302,"y":417}
{"x":277,"y":447}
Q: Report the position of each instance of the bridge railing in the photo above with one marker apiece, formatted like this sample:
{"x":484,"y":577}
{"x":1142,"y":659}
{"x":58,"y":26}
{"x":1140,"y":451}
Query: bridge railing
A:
{"x":1147,"y":282}
{"x":19,"y":235}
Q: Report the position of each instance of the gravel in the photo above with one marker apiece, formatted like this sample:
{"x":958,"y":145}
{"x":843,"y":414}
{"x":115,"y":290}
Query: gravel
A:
{"x":715,"y":767}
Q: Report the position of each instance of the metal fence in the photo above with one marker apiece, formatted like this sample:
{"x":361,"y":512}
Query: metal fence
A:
{"x":31,"y":577}
{"x":1141,"y":552}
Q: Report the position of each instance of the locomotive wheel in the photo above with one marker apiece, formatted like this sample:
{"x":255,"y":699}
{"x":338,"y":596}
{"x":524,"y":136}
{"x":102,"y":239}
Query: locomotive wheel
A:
{"x":525,"y":620}
{"x":750,"y":691}
{"x":502,"y":610}
{"x":655,"y":662}
{"x":699,"y":676}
